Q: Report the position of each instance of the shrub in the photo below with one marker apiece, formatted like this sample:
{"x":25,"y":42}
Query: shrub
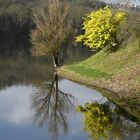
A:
{"x":100,"y":29}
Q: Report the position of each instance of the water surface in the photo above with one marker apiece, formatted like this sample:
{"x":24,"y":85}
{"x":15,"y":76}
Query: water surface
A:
{"x":47,"y":110}
{"x":36,"y":104}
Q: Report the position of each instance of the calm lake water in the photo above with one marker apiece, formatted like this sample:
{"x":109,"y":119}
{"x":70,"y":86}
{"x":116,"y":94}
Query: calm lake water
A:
{"x":45,"y":110}
{"x":36,"y":104}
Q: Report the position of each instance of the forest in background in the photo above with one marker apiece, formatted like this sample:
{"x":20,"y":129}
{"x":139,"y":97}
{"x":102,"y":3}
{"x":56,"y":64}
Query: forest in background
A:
{"x":16,"y":15}
{"x":16,"y":23}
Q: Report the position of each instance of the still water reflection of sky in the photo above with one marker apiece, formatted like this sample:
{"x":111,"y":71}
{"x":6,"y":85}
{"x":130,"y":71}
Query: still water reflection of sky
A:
{"x":16,"y":112}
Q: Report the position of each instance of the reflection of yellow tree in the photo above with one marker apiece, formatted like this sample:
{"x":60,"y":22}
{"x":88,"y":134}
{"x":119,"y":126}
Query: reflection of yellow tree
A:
{"x":52,"y":106}
{"x":98,"y":121}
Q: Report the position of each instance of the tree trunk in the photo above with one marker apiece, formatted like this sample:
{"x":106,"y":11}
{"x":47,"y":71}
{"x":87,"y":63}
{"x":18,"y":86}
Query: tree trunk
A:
{"x":55,"y":60}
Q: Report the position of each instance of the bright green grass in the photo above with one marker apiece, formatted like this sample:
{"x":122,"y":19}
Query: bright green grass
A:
{"x":104,"y":65}
{"x":89,"y":72}
{"x":114,"y":62}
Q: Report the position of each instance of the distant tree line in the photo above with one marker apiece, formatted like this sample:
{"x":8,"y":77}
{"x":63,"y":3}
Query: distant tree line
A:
{"x":16,"y":15}
{"x":16,"y":20}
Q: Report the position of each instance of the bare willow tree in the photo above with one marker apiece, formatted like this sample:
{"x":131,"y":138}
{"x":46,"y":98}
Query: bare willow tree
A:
{"x":52,"y":29}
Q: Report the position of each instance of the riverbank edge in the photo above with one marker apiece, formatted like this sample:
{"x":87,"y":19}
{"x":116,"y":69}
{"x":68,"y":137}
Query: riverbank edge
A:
{"x":112,"y":95}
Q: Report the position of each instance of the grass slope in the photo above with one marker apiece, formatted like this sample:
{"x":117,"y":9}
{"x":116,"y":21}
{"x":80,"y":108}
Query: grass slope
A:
{"x":118,"y":72}
{"x":112,"y":63}
{"x":121,"y":68}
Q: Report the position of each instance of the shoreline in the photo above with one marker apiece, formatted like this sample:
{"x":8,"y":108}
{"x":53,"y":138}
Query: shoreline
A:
{"x":125,"y":99}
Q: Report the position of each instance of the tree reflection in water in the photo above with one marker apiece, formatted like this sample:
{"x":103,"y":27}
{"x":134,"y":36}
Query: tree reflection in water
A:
{"x":105,"y":121}
{"x":52,"y":106}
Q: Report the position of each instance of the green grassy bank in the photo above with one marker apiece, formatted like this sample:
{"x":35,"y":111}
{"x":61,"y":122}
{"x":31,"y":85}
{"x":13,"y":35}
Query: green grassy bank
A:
{"x":118,"y":72}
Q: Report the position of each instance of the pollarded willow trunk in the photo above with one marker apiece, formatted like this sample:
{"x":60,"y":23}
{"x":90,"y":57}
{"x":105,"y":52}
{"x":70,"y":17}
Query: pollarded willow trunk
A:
{"x":55,"y":60}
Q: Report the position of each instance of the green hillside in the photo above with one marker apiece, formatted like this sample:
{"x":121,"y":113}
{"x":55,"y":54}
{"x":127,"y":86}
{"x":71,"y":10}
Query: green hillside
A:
{"x":118,"y":72}
{"x":121,"y":67}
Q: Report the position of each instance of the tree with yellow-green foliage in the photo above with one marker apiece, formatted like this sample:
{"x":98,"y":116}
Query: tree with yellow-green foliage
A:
{"x":100,"y":29}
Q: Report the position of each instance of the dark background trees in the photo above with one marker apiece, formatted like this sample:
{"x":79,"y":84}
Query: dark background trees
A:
{"x":16,"y":22}
{"x":16,"y":18}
